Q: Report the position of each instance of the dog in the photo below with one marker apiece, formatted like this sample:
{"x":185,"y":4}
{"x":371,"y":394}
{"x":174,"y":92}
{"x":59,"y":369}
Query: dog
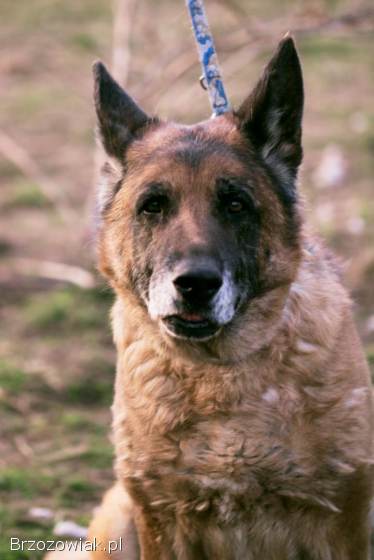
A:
{"x":243,"y":412}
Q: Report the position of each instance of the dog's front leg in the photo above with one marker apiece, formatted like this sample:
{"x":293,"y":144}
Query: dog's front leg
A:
{"x":170,"y":542}
{"x":336,"y":552}
{"x":149,"y":541}
{"x":354,"y":525}
{"x":357,"y":545}
{"x":351,"y":543}
{"x":153,"y":538}
{"x":112,"y":529}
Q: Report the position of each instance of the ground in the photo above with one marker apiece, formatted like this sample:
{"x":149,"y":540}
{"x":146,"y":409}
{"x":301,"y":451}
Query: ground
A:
{"x":56,"y":354}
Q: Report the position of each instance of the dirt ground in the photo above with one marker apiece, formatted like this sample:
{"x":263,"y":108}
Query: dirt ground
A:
{"x":56,"y":354}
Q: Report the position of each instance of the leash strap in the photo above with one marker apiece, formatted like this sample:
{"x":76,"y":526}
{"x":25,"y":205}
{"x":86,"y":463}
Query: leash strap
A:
{"x":212,"y":80}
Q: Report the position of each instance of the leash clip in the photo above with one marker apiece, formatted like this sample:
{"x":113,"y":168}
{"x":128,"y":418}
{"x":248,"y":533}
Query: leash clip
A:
{"x":202,"y":81}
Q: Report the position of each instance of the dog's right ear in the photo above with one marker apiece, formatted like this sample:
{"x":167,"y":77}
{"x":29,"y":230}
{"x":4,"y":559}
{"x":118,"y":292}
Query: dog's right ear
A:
{"x":119,"y":117}
{"x":271,"y":115}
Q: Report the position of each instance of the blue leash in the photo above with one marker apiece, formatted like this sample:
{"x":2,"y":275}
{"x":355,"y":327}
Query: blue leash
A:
{"x":212,"y":80}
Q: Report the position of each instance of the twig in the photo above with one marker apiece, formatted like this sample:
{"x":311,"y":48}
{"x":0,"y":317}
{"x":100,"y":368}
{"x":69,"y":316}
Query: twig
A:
{"x":257,"y":30}
{"x":23,"y":447}
{"x":233,"y":45}
{"x":361,"y":19}
{"x":19,"y":157}
{"x":157,"y":85}
{"x":231,"y":65}
{"x":66,"y":454}
{"x":122,"y":25}
{"x":47,"y":269}
{"x":123,"y":11}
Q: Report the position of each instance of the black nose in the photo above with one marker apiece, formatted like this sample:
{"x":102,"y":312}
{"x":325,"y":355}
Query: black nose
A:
{"x":198,"y":284}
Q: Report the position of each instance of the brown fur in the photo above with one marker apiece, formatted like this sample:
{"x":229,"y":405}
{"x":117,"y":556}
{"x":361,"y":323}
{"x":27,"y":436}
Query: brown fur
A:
{"x":286,"y":428}
{"x":257,"y":443}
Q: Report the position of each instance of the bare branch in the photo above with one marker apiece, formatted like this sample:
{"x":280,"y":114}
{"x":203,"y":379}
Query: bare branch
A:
{"x":46,"y":269}
{"x":122,"y":26}
{"x":123,"y":12}
{"x":361,"y":20}
{"x":65,"y":454}
{"x":19,"y":157}
{"x":23,"y":447}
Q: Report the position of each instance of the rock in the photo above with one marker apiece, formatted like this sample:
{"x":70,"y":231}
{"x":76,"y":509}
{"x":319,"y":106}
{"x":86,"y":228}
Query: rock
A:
{"x":69,"y":529}
{"x":41,"y":514}
{"x":356,"y":225}
{"x":332,"y":168}
{"x":370,"y":325}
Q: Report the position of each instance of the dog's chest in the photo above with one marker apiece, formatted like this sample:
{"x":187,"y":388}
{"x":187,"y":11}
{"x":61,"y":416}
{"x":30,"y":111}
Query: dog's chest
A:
{"x":229,"y":466}
{"x":229,"y":461}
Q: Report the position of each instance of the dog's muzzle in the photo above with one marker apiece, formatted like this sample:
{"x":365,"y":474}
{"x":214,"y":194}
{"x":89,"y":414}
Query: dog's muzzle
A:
{"x":193,"y":301}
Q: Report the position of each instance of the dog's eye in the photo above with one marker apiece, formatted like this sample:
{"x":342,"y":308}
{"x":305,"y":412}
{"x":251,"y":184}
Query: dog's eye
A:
{"x":235,"y":199}
{"x":235,"y":205}
{"x":154,"y":205}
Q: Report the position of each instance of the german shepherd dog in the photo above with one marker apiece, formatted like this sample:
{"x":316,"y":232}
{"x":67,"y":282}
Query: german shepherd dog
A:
{"x":243,"y":410}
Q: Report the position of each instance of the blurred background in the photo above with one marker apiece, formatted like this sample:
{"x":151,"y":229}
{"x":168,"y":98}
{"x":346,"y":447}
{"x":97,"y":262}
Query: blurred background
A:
{"x":56,"y":354}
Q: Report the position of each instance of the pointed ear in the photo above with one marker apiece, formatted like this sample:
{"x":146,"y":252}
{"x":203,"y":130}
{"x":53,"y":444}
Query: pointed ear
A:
{"x":271,"y":115}
{"x":119,"y":117}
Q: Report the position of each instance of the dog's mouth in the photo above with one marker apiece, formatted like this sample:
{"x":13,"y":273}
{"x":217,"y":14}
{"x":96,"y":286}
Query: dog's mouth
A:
{"x":191,"y":325}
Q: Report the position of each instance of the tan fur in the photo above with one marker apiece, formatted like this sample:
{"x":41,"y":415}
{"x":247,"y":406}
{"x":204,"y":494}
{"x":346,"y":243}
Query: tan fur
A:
{"x":306,"y":399}
{"x":278,"y":414}
{"x":256,"y":443}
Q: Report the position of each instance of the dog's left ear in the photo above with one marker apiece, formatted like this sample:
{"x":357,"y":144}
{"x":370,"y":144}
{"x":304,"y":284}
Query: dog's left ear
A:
{"x":271,"y":115}
{"x":120,"y":119}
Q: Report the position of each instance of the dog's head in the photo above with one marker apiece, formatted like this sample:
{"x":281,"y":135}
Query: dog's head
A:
{"x":199,"y":220}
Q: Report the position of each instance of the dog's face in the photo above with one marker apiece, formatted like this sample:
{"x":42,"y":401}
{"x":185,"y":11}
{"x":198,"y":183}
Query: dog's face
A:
{"x":199,"y":220}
